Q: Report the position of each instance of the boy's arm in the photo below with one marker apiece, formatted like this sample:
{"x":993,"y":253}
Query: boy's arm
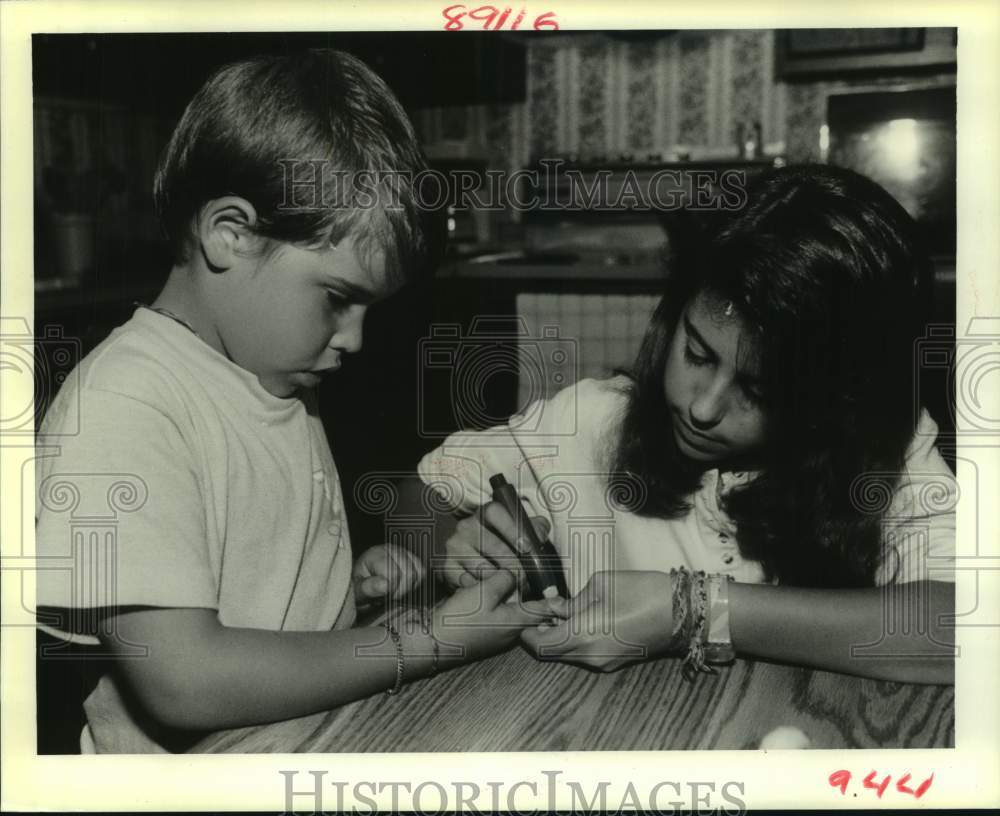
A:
{"x":201,"y":675}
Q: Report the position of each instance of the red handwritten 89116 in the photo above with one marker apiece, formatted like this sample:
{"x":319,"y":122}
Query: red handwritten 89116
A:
{"x":841,"y":779}
{"x":495,"y":18}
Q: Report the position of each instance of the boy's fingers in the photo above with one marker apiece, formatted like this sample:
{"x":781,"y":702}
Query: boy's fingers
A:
{"x":535,"y":611}
{"x":409,"y":569}
{"x":560,"y":607}
{"x":374,"y":586}
{"x":393,"y":572}
{"x":547,"y":640}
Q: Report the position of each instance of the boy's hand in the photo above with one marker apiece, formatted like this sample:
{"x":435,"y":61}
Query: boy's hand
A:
{"x":386,"y":571}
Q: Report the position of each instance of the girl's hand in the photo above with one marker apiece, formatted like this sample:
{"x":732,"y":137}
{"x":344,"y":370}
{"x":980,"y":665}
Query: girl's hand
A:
{"x":386,"y":571}
{"x":482,"y":544}
{"x":618,"y":618}
{"x":477,"y":621}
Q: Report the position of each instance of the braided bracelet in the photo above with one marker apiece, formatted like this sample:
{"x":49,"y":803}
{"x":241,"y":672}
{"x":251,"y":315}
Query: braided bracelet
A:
{"x":694,"y":661}
{"x":680,"y":607}
{"x":398,"y":643}
{"x":689,"y":603}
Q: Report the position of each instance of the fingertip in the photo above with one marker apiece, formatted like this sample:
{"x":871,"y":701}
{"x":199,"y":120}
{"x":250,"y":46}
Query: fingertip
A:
{"x":504,"y":577}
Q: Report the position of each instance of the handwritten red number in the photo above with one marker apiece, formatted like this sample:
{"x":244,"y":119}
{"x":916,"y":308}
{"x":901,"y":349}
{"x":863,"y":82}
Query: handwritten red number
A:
{"x":839,"y":779}
{"x":517,"y":21}
{"x":901,"y":784}
{"x":543,"y":24}
{"x":454,"y":20}
{"x":923,"y":786}
{"x":486,"y":13}
{"x":502,"y":19}
{"x":880,"y":787}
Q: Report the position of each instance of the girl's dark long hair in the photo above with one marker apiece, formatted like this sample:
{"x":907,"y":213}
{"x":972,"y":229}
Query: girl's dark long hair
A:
{"x":821,"y":267}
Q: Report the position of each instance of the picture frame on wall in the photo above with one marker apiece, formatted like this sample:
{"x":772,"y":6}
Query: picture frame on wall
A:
{"x":816,"y":53}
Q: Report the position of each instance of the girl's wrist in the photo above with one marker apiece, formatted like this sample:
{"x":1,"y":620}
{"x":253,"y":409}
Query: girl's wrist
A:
{"x":700,"y":619}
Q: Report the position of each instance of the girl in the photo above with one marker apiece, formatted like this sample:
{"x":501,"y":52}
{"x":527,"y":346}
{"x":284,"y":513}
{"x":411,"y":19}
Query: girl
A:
{"x":762,"y":479}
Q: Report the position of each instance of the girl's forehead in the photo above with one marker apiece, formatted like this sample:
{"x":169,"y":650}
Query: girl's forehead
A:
{"x":718,"y":324}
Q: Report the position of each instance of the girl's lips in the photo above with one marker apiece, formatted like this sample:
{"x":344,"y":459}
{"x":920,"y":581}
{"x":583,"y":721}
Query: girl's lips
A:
{"x":695,"y":439}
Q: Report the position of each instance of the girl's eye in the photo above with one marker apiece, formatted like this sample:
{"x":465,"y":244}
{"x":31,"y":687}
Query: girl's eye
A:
{"x":694,"y":359}
{"x":752,"y":397}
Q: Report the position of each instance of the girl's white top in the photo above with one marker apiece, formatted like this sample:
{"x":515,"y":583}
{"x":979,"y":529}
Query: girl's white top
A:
{"x":555,"y":454}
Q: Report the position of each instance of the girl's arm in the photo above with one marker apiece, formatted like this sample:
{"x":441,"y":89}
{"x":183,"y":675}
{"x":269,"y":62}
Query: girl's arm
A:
{"x":890,"y":633}
{"x":201,"y":675}
{"x":897,"y":632}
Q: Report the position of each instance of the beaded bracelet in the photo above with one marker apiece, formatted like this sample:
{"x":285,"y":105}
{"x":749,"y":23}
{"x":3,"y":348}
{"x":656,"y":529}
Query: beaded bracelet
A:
{"x":398,"y":643}
{"x":694,"y":661}
{"x":425,"y":624}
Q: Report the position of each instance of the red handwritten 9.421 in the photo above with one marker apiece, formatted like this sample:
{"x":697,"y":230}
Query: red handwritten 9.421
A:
{"x":905,"y":783}
{"x":495,"y":18}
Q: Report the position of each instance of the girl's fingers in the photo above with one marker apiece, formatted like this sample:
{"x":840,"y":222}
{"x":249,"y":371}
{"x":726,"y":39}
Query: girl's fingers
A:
{"x":497,"y":587}
{"x":496,"y":517}
{"x":477,"y":567}
{"x":494,"y":544}
{"x":542,"y":527}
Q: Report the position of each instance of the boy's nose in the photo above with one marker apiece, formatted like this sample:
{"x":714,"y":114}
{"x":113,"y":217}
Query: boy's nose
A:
{"x":348,"y":337}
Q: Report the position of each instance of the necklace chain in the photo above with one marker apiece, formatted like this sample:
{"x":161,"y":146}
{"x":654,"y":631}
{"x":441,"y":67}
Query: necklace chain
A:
{"x":171,"y":315}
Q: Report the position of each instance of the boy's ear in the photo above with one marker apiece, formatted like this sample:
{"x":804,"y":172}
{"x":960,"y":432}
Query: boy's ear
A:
{"x":225,"y":231}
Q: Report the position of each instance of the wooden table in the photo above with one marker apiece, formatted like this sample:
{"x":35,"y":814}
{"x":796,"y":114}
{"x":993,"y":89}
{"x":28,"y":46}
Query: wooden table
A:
{"x":515,"y":703}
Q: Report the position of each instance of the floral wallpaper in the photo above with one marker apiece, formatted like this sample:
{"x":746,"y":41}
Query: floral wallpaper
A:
{"x":684,"y":93}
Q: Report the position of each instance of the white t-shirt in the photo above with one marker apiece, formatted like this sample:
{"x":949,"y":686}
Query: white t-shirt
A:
{"x":555,"y":452}
{"x":188,"y":485}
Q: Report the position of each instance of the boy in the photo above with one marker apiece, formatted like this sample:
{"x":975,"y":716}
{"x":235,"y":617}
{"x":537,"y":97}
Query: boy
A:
{"x":225,"y":593}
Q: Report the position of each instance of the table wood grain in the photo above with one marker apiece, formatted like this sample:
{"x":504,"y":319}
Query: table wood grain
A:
{"x":513,"y":702}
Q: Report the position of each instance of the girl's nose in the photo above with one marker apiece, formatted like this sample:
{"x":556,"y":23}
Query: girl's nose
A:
{"x":708,"y":406}
{"x":348,"y":336}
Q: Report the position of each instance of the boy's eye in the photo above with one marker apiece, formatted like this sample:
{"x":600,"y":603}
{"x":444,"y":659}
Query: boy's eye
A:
{"x":335,"y":300}
{"x":693,"y":358}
